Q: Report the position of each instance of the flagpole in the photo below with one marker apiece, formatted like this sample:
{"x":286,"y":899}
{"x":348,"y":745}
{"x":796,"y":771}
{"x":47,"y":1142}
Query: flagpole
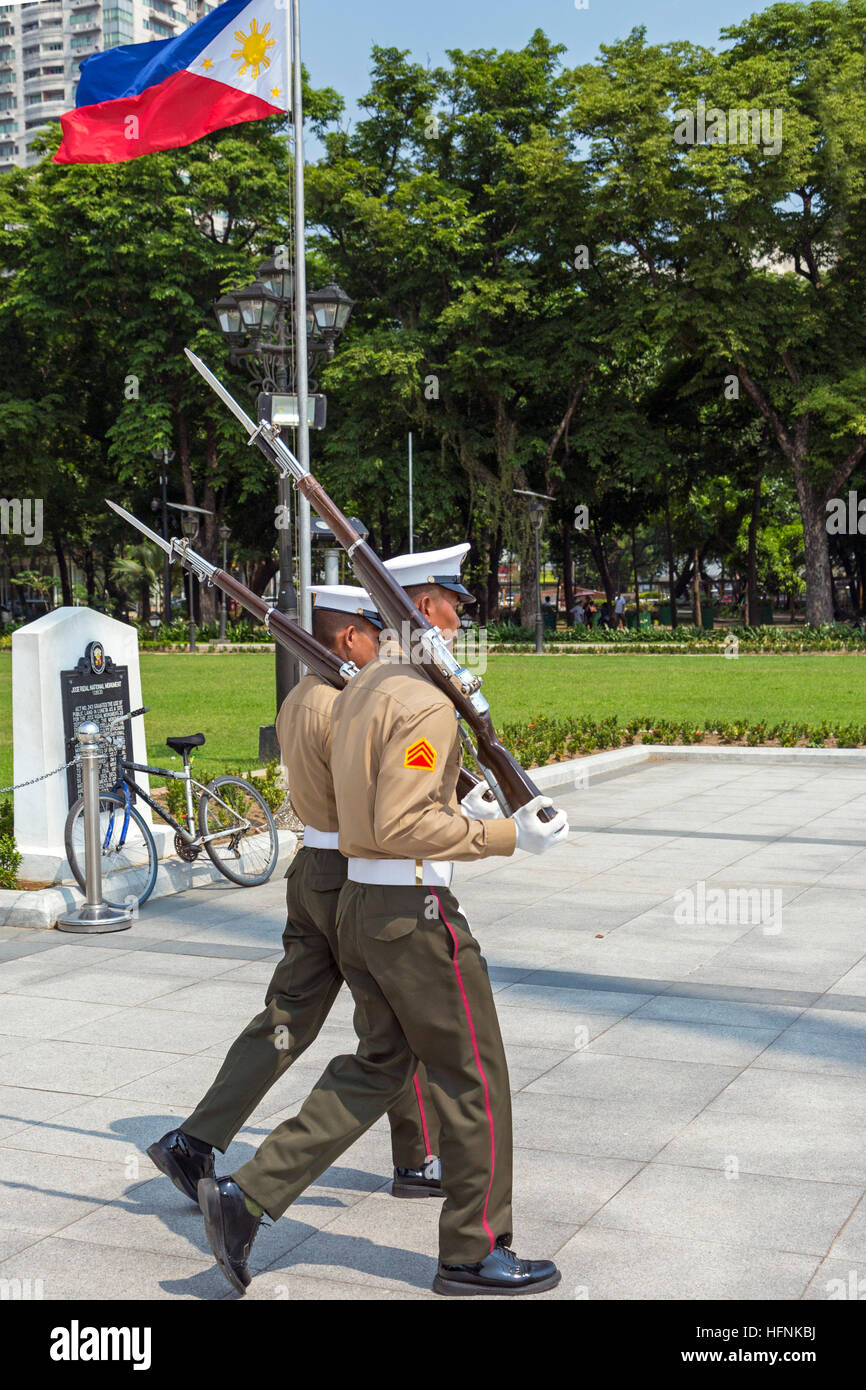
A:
{"x":306,"y":605}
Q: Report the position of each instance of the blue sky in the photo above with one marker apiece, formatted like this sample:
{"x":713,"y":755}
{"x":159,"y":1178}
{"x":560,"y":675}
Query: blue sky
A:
{"x":336,"y":35}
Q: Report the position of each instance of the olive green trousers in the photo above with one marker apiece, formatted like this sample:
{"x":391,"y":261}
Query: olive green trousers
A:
{"x":298,"y":1000}
{"x":421,"y":991}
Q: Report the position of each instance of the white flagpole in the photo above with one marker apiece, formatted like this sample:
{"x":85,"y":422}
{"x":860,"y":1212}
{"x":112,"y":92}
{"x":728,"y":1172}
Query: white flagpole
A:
{"x":306,"y":602}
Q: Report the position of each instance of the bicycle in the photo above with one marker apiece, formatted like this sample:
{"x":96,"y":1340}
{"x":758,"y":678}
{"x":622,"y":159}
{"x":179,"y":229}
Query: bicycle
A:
{"x":235,"y":826}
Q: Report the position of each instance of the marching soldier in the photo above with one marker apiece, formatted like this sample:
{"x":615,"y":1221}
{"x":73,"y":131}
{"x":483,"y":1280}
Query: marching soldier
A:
{"x":418,"y":979}
{"x":308,"y":978}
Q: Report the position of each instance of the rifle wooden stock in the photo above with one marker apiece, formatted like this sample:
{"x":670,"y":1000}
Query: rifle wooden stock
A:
{"x":303,"y":645}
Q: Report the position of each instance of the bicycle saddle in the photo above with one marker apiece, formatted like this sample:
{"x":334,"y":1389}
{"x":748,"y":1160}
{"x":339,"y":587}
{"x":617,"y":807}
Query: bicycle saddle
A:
{"x":180,"y":745}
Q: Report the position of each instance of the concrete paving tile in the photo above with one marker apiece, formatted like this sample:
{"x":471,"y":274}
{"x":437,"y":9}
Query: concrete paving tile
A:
{"x":599,"y":1264}
{"x":525,"y":1027}
{"x":284,"y":1285}
{"x":106,"y":1129}
{"x":180,"y":1082}
{"x":117,"y":986}
{"x":852,"y":982}
{"x":698,"y":1204}
{"x":837,"y":1281}
{"x":739,"y":1015}
{"x":87,"y":1068}
{"x":29,"y":1017}
{"x":65,"y":953}
{"x":821,"y":1041}
{"x":574,"y":1001}
{"x":11,"y":1044}
{"x":683,"y":1040}
{"x":596,"y":1127}
{"x":20,"y":1107}
{"x":564,"y":1187}
{"x":157,"y":1218}
{"x":792,"y":1146}
{"x":11,"y":1241}
{"x":595,"y":1074}
{"x":763,"y":1091}
{"x":526,"y":1064}
{"x":154,"y":1030}
{"x":43,"y":1192}
{"x":215,"y":998}
{"x":850,"y":1243}
{"x":742,"y":994}
{"x":108,"y":1273}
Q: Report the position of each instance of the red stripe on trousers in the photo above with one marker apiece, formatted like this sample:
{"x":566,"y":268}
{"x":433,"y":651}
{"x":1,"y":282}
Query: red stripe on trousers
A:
{"x":477,"y":1055}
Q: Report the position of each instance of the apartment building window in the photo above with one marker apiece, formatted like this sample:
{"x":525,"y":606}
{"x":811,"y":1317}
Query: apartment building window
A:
{"x":53,"y":96}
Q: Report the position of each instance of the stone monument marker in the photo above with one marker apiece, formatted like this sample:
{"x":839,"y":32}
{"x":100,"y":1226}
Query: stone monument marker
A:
{"x":58,"y":680}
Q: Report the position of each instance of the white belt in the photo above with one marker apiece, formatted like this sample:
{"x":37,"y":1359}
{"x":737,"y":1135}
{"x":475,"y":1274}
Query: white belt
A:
{"x":435,"y":873}
{"x":320,"y":839}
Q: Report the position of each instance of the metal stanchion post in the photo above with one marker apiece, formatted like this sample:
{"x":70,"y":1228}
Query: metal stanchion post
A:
{"x":95,"y":915}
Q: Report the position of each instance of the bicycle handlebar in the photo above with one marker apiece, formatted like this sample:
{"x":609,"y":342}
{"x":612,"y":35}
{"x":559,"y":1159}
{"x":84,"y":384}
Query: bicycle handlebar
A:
{"x":122,"y":718}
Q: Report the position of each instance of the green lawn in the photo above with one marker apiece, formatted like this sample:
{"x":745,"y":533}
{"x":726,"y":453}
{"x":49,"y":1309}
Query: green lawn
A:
{"x":227,"y":697}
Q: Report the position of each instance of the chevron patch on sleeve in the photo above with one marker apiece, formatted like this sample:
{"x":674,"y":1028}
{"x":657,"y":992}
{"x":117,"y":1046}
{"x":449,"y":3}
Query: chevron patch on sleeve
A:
{"x":420,"y":754}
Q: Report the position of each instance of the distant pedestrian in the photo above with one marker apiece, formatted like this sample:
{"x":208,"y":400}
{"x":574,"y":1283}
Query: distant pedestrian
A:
{"x":619,"y":610}
{"x":577,"y":614}
{"x":590,"y":612}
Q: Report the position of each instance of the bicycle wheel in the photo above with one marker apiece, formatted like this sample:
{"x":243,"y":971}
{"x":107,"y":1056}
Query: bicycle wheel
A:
{"x":246,"y":846}
{"x":134,"y":857}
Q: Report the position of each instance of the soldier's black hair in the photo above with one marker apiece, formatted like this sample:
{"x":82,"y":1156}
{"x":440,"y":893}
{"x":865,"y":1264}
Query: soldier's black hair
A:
{"x":328,"y":624}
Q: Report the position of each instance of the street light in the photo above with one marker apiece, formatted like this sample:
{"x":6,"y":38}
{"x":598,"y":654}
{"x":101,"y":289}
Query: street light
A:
{"x":277,"y":275}
{"x":537,"y":511}
{"x":224,"y":533}
{"x":254,"y":322}
{"x":228,"y":316}
{"x":258,"y":306}
{"x":331,"y":308}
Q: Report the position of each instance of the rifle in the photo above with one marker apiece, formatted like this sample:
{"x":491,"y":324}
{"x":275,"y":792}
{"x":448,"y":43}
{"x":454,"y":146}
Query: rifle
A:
{"x":422,"y":643}
{"x":284,"y":631}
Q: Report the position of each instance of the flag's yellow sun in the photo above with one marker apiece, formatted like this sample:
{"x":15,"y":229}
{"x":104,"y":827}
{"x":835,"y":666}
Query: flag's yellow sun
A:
{"x":253,"y":50}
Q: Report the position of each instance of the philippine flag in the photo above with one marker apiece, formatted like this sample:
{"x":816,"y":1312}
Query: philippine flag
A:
{"x":231,"y":66}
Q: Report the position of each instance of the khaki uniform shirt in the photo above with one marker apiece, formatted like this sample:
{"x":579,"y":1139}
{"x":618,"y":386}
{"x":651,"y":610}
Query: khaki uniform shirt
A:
{"x":395,"y":755}
{"x":304,"y":732}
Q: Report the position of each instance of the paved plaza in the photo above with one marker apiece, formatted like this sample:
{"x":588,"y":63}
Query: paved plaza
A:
{"x":689,"y":1104}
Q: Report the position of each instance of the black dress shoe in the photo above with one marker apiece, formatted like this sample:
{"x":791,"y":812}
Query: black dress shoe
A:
{"x":230,"y":1228}
{"x":500,"y":1273}
{"x":174,"y":1156}
{"x":419,"y":1182}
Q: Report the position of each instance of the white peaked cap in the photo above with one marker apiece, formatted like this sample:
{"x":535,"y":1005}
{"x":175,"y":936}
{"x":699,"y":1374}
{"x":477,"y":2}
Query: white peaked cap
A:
{"x":346,"y":598}
{"x":432,"y":567}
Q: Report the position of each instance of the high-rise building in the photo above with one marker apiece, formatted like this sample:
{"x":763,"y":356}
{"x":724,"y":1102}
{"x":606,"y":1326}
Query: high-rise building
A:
{"x":43,"y":43}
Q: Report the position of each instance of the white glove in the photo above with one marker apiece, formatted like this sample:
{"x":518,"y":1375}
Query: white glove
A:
{"x":475,"y":807}
{"x":536,"y":835}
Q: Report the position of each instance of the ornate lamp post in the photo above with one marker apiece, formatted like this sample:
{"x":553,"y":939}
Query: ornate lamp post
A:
{"x":255,"y":321}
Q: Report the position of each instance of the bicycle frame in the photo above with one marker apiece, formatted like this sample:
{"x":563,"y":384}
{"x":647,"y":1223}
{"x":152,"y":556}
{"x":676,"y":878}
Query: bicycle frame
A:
{"x":125,"y":784}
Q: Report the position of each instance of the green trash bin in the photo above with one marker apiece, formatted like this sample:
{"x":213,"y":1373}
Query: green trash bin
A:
{"x":665,"y":614}
{"x":708,"y":617}
{"x":765,"y":614}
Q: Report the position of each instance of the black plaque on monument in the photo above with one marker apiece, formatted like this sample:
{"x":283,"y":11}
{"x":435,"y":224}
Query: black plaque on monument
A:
{"x":94,"y":692}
